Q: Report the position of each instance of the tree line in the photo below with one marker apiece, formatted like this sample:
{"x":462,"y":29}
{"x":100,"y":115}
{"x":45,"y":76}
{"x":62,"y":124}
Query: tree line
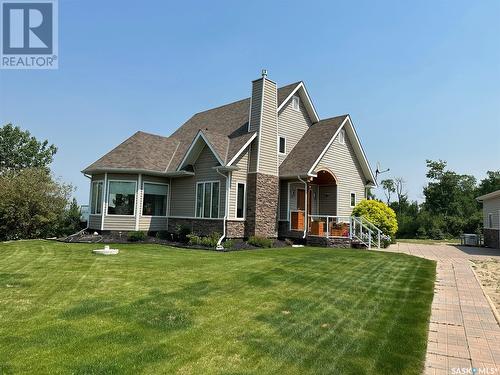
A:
{"x":449,"y":207}
{"x":33,"y":204}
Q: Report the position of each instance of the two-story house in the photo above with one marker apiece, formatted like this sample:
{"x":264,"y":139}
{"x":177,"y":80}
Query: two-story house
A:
{"x":265,"y":165}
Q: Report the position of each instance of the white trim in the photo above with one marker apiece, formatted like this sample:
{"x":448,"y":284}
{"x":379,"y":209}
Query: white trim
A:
{"x":279,"y":139}
{"x":314,"y":117}
{"x":241,"y":150}
{"x":135,"y":203}
{"x":325,"y":150}
{"x":341,"y":136}
{"x":91,"y":198}
{"x":357,"y":143}
{"x":138,"y":201}
{"x":350,"y":199}
{"x":193,"y":143}
{"x":104,"y":200}
{"x":203,"y":202}
{"x":244,"y":200}
{"x":144,"y":182}
{"x":197,"y":218}
{"x":491,"y":195}
{"x":490,"y":220}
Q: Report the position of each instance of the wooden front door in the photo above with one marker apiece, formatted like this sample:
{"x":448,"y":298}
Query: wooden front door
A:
{"x":301,"y":199}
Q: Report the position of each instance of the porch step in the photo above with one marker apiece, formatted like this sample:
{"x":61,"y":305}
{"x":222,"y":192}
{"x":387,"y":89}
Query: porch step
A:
{"x":329,"y":242}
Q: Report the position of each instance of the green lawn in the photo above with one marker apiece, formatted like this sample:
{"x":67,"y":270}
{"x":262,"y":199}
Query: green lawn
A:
{"x":154,"y":309}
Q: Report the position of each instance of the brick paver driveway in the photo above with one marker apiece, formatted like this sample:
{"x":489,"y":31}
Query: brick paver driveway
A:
{"x":464,"y":336}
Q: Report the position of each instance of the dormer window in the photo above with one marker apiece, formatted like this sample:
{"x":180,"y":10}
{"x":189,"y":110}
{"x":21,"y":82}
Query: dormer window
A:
{"x":282,"y":145}
{"x":342,"y":136}
{"x":296,"y":103}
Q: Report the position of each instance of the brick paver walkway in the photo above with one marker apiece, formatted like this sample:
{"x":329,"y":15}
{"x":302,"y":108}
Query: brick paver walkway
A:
{"x":464,"y":336}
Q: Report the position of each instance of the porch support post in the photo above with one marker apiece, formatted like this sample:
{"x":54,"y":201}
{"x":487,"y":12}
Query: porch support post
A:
{"x":306,"y":221}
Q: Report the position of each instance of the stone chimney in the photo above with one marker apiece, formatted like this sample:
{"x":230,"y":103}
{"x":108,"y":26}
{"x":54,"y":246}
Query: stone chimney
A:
{"x":263,"y":180}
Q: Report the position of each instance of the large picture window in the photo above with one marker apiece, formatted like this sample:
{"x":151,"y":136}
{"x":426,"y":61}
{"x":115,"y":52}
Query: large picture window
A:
{"x":121,"y":197}
{"x":155,"y":199}
{"x":207,"y":199}
{"x":96,"y":198}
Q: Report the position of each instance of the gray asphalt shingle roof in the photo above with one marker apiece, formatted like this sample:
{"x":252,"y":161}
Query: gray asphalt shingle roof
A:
{"x":225,"y":127}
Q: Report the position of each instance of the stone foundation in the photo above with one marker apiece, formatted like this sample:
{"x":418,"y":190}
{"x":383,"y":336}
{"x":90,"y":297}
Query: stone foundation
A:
{"x":329,"y":242}
{"x":285,"y":232}
{"x":200,"y":227}
{"x":235,"y":229}
{"x":262,"y":205}
{"x":491,"y":238}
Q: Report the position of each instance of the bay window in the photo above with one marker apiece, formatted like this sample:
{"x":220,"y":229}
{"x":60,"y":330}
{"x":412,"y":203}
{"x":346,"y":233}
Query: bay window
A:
{"x":207,"y":199}
{"x":121,"y":197}
{"x":96,"y":198}
{"x":155,"y":199}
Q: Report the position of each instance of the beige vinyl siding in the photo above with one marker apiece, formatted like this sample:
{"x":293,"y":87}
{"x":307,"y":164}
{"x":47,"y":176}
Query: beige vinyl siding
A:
{"x":491,"y":206}
{"x":95,"y":222}
{"x":292,"y":125}
{"x":268,"y":148}
{"x":256,"y":104}
{"x":252,"y":157}
{"x":328,"y":200}
{"x":183,"y":190}
{"x":238,"y":176}
{"x":341,"y":160}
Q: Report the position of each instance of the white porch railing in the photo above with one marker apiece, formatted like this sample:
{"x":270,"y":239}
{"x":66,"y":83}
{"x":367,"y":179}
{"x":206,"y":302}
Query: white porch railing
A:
{"x":352,"y":227}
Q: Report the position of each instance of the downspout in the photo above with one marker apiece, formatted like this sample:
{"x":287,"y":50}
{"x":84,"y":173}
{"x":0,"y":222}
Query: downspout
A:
{"x":226,"y":208}
{"x":306,"y":221}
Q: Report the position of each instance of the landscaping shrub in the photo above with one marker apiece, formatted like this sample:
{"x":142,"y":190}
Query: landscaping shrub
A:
{"x":260,"y":241}
{"x":193,"y":239}
{"x":182,"y":233}
{"x":229,"y":244}
{"x":379,"y":214}
{"x":136,"y":236}
{"x":163,"y":235}
{"x":210,"y":241}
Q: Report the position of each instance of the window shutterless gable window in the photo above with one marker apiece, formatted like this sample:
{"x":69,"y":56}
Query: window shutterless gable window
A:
{"x":353,"y":199}
{"x":342,"y":136}
{"x":296,"y":103}
{"x":121,"y":197}
{"x":240,"y":200}
{"x":282,"y":145}
{"x":207,"y":199}
{"x":96,"y":198}
{"x":155,"y":199}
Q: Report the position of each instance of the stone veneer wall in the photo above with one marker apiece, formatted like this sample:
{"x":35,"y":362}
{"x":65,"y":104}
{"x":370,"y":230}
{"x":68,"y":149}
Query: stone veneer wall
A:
{"x":285,"y":232}
{"x":491,"y":238}
{"x":262,"y":205}
{"x":235,"y":229}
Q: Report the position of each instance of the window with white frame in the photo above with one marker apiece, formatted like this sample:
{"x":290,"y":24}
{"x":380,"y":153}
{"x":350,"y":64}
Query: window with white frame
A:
{"x":490,"y":221}
{"x":121,"y":197}
{"x":155,"y":199}
{"x":240,"y":200}
{"x":96,"y":198}
{"x":207,"y":199}
{"x":282,"y":145}
{"x":296,"y":103}
{"x":353,"y":199}
{"x":342,"y":136}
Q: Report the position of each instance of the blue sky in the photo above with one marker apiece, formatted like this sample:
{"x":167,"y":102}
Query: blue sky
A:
{"x":420,"y":79}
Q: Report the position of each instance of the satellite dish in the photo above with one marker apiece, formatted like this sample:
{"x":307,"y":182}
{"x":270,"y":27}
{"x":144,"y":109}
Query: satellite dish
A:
{"x":379,"y":171}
